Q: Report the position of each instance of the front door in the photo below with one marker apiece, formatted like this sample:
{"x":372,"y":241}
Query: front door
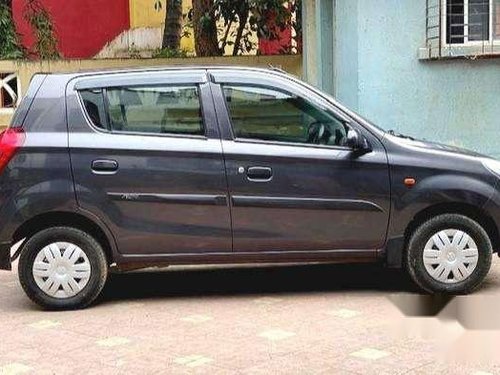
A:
{"x":147,"y":160}
{"x":294,"y":185}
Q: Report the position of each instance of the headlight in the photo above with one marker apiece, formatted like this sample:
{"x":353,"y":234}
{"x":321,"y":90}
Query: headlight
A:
{"x":492,"y":165}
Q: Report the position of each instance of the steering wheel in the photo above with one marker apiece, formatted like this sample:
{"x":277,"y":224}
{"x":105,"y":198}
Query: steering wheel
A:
{"x":320,"y":134}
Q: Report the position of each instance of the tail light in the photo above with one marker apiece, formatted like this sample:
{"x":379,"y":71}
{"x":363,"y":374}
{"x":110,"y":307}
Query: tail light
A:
{"x":11,"y":140}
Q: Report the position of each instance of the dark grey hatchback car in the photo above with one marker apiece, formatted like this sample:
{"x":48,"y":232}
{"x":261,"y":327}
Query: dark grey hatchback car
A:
{"x":123,"y":170}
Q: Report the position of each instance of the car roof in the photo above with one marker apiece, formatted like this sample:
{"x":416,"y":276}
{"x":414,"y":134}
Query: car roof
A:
{"x":87,"y":72}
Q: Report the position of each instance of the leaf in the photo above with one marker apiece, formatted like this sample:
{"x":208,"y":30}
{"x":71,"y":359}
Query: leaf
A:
{"x":10,"y":46}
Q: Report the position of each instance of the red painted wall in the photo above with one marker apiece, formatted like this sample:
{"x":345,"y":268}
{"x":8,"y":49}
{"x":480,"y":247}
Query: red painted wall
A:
{"x":282,"y":41}
{"x":83,"y":27}
{"x":276,"y":46}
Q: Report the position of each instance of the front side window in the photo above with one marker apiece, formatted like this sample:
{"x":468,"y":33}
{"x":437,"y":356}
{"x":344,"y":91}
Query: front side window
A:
{"x":155,"y":109}
{"x":268,"y":114}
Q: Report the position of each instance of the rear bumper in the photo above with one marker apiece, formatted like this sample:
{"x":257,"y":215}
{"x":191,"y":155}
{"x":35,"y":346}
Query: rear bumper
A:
{"x":5,"y":262}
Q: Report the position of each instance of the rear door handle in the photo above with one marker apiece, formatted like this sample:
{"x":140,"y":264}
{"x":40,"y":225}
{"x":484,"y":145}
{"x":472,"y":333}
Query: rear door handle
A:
{"x":259,"y":174}
{"x":104,"y":166}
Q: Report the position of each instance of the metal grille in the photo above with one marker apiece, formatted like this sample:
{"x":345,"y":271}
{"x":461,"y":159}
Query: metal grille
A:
{"x":462,"y":28}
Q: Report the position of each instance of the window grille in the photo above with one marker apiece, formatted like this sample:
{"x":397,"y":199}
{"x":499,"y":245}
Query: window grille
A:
{"x":9,"y":91}
{"x":462,"y":28}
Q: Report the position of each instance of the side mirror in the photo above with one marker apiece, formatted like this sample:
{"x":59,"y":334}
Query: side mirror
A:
{"x":357,"y":141}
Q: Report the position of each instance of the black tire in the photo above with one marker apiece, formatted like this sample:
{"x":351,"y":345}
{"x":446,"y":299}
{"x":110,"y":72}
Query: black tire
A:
{"x":96,"y":257}
{"x":414,"y":254}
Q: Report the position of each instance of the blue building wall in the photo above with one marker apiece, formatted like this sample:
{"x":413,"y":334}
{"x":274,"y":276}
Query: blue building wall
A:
{"x":377,"y":72}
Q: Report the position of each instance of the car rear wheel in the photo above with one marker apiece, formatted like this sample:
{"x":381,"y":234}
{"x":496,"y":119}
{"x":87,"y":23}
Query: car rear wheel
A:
{"x":62,"y":268}
{"x":449,"y":254}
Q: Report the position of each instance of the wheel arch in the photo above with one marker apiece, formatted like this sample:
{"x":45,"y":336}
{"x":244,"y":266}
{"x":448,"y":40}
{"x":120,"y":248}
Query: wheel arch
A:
{"x":68,"y":219}
{"x":468,"y":210}
{"x":396,"y":246}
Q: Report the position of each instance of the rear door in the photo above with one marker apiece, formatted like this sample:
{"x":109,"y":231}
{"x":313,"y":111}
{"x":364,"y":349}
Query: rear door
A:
{"x":147,"y":159}
{"x":294,"y":185}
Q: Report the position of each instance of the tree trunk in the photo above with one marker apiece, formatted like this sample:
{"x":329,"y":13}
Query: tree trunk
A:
{"x":173,"y":25}
{"x":205,"y":29}
{"x":243,"y":14}
{"x":298,"y":26}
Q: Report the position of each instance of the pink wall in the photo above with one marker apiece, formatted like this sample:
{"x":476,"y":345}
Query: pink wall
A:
{"x":283,"y":40}
{"x":276,"y":46}
{"x":83,"y":27}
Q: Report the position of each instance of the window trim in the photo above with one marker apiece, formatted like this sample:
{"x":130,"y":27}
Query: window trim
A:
{"x":108,"y":129}
{"x":86,"y":115}
{"x":289,"y":144}
{"x":234,"y":138}
{"x":141,"y":78}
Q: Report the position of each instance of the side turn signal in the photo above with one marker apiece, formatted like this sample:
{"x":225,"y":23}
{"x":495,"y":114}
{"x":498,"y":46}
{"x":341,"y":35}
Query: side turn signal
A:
{"x":410,"y":182}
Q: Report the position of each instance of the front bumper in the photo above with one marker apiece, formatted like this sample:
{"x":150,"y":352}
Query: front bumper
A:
{"x":492,"y":207}
{"x":5,"y":261}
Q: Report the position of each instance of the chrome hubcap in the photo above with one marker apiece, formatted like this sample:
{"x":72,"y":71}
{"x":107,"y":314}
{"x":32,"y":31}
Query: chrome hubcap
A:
{"x":450,"y":256}
{"x":61,"y":270}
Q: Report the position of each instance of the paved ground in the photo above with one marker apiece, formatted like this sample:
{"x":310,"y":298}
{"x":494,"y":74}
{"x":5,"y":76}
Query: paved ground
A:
{"x":290,"y":320}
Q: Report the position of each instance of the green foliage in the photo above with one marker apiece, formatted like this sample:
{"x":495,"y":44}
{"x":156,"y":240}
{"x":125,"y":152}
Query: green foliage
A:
{"x":266,"y":19}
{"x":10,"y":47}
{"x":45,"y":38}
{"x":134,"y":52}
{"x":169,"y":53}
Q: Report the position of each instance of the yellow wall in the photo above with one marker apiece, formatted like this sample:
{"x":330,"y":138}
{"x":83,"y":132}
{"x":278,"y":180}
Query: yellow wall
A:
{"x":144,"y":14}
{"x":187,"y":43}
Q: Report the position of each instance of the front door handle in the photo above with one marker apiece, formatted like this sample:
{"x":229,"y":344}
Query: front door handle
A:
{"x":104,"y":166}
{"x":259,"y":174}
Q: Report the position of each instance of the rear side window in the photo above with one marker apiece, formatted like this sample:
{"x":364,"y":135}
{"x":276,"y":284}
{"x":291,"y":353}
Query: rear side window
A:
{"x":154,"y":109}
{"x":93,"y":101}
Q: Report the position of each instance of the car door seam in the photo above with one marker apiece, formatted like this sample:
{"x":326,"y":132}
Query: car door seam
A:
{"x":228,"y":191}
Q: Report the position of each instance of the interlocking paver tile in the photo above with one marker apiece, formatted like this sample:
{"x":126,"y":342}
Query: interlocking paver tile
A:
{"x":113,"y":341}
{"x":276,"y":334}
{"x":194,"y":360}
{"x":370,"y":354}
{"x":344,"y":313}
{"x":306,"y":325}
{"x":268,"y":300}
{"x":196,"y":319}
{"x":45,"y":324}
{"x":14,"y":369}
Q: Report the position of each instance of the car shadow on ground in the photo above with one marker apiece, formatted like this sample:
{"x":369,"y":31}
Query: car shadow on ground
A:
{"x":256,"y":280}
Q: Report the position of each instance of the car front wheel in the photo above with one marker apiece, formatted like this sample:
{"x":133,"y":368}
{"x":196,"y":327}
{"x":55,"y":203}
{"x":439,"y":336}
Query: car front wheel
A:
{"x":62,"y":268}
{"x":450,"y":254}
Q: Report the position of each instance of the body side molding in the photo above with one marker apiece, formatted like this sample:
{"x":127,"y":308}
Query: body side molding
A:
{"x":305,"y":203}
{"x":195,"y":199}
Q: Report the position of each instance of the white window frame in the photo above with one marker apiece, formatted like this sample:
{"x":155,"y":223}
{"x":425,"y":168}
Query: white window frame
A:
{"x":7,"y":84}
{"x":478,"y":43}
